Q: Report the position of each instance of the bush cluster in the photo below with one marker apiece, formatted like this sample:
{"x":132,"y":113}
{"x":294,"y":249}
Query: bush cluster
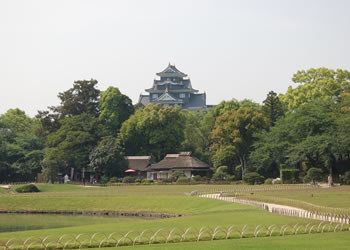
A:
{"x":346,"y":178}
{"x":253,"y":178}
{"x":289,"y":175}
{"x":113,"y":180}
{"x":268,"y":181}
{"x":183,"y":180}
{"x":30,"y":188}
{"x":313,"y":174}
{"x":129,"y":179}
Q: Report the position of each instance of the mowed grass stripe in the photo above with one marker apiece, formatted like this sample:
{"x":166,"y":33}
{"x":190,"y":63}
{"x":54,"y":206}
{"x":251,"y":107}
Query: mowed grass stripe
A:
{"x":334,"y":241}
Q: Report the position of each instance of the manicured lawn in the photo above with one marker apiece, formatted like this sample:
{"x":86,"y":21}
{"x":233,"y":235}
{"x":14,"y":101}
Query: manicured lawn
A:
{"x":198,"y":212}
{"x":338,"y":197}
{"x":334,"y":241}
{"x":21,"y":222}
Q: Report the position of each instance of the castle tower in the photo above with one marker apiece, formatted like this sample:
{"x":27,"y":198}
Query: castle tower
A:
{"x":173,"y":88}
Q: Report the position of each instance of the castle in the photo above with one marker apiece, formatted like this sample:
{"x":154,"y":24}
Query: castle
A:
{"x":174,"y":89}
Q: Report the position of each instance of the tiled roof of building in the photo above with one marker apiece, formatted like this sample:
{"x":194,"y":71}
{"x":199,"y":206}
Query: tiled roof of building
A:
{"x":171,"y":71}
{"x":167,"y":98}
{"x":144,"y":100}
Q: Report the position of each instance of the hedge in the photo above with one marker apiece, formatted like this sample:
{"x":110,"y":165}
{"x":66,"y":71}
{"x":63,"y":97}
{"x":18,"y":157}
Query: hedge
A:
{"x":289,"y":176}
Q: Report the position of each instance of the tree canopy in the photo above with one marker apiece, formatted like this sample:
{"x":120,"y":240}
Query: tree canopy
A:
{"x":107,"y":158}
{"x":21,"y":149}
{"x":321,"y":83}
{"x":306,"y":127}
{"x":154,"y":130}
{"x":272,"y":108}
{"x":115,"y":109}
{"x":235,"y":129}
{"x":72,"y":143}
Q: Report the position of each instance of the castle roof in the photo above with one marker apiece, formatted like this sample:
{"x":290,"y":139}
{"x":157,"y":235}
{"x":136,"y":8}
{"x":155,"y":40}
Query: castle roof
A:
{"x":167,"y":98}
{"x":171,"y":71}
{"x":144,"y":100}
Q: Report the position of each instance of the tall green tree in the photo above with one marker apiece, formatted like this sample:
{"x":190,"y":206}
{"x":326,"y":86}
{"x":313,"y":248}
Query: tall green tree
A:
{"x":82,"y":98}
{"x":235,"y":129}
{"x":21,"y":149}
{"x":115,"y":109}
{"x":196,"y":138}
{"x":321,"y":83}
{"x":315,"y":132}
{"x":107,"y":158}
{"x":71,"y":144}
{"x":154,"y":130}
{"x":272,"y":108}
{"x":207,"y":124}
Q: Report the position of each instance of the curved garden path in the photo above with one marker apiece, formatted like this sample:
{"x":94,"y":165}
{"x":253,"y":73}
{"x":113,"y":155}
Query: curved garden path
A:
{"x":281,"y":209}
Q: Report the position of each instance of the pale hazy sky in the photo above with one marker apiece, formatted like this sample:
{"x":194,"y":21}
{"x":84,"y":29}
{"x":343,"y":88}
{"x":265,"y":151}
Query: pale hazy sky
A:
{"x":230,"y":49}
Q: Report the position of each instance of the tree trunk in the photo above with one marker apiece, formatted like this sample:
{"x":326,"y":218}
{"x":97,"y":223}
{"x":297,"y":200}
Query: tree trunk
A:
{"x":243,"y":161}
{"x":330,"y":166}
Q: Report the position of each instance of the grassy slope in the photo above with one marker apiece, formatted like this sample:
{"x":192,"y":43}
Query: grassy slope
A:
{"x":338,"y":197}
{"x":199,"y":211}
{"x":336,"y":241}
{"x":153,"y":198}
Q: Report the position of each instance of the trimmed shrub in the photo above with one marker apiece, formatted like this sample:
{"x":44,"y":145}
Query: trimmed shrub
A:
{"x":30,"y":188}
{"x":147,"y":182}
{"x":313,"y":174}
{"x":238,"y":171}
{"x":183,"y":180}
{"x":129,"y":179}
{"x":222,"y":169}
{"x":138,"y":181}
{"x":197,"y":178}
{"x":204,"y":178}
{"x":167,"y":180}
{"x":253,"y":178}
{"x":113,"y":180}
{"x":289,"y":175}
{"x":177,"y":174}
{"x":268,"y":181}
{"x":219,"y":176}
{"x":104,"y":180}
{"x":346,"y":178}
{"x":231,"y":178}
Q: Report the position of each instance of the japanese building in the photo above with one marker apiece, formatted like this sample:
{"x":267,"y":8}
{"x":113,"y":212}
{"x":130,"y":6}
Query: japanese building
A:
{"x":174,"y":88}
{"x":138,"y":166}
{"x":183,"y":161}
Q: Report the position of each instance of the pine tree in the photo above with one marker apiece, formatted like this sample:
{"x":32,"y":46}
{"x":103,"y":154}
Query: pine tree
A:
{"x":272,"y":107}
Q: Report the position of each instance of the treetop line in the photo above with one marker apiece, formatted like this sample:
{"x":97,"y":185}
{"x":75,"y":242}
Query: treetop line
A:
{"x":305,"y":128}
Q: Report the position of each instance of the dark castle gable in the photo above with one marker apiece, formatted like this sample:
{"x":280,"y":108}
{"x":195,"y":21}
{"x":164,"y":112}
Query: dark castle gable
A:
{"x":174,"y":89}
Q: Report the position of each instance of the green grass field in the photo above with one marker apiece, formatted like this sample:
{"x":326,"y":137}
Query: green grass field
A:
{"x":198,"y":212}
{"x":336,"y":241}
{"x":337,"y":197}
{"x":23,"y":222}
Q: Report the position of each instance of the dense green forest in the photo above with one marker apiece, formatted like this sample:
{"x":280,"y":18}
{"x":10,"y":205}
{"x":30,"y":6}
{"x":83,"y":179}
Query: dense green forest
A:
{"x":305,"y":128}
